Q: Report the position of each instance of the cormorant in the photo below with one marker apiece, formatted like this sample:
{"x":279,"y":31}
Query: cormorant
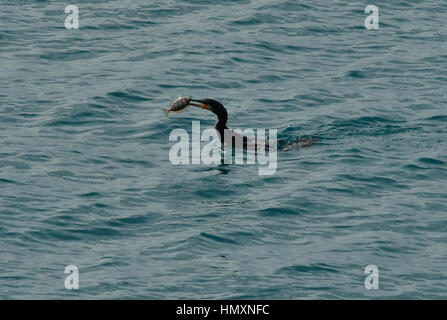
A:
{"x":226,"y":135}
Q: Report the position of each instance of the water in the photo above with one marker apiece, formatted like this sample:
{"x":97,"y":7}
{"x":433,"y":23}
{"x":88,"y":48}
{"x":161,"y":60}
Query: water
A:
{"x":85,"y":177}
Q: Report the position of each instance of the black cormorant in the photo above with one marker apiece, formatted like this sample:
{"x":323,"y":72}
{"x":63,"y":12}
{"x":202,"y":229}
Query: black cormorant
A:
{"x":226,"y":135}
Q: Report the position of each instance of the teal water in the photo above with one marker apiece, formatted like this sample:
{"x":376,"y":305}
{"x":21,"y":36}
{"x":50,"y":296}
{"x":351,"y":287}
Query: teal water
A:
{"x":85,"y":177}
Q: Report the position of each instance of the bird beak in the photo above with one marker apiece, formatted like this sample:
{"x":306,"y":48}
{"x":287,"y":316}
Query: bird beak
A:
{"x":200,"y":104}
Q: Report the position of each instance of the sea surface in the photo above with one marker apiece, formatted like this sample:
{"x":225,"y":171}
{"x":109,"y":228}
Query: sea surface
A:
{"x":86,"y":179}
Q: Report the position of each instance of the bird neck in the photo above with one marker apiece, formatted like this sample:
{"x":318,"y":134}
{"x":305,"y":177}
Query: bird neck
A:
{"x":221,"y":123}
{"x":220,"y":128}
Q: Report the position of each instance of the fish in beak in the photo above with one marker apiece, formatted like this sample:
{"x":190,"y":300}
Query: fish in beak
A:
{"x":178,"y":106}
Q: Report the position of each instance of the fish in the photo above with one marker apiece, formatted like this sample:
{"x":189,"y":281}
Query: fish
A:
{"x":178,"y":105}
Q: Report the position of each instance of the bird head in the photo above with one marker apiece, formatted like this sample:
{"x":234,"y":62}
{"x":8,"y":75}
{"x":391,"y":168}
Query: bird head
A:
{"x":212,"y":105}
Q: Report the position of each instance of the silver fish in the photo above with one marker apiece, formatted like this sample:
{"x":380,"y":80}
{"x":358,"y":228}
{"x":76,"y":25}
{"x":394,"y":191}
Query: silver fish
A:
{"x":178,"y":106}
